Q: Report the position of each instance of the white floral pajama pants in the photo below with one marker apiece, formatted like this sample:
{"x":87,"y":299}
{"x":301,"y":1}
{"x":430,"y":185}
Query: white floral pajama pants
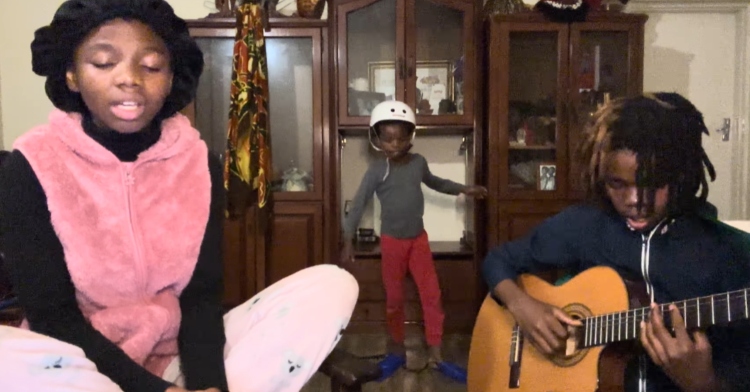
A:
{"x":275,"y":341}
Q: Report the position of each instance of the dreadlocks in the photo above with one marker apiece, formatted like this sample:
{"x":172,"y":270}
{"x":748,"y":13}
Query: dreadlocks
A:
{"x":664,"y":130}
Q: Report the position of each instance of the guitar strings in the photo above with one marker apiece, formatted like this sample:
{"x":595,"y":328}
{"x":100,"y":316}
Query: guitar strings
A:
{"x":609,"y":327}
{"x":603,"y":323}
{"x":686,"y":305}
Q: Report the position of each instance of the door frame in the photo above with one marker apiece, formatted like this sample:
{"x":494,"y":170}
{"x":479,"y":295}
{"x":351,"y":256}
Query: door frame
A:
{"x":740,"y":176}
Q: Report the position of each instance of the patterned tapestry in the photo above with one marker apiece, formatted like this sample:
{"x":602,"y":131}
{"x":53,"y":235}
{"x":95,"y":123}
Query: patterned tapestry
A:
{"x":247,"y":167}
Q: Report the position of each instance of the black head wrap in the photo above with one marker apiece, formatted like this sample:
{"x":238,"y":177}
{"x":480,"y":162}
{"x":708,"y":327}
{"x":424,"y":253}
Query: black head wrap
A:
{"x":54,"y":46}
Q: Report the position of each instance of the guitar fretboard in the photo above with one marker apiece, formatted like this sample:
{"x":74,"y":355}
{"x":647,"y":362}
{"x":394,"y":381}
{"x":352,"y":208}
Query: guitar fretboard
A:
{"x":697,"y":313}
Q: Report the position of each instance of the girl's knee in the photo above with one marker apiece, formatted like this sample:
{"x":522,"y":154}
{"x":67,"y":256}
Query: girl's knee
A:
{"x":339,"y":289}
{"x":338,"y":280}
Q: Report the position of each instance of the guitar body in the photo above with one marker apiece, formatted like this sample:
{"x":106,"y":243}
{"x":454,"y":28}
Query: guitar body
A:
{"x":598,"y":290}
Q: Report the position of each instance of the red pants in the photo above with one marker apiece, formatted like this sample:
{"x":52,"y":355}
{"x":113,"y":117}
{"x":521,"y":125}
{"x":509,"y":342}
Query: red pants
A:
{"x":412,"y":255}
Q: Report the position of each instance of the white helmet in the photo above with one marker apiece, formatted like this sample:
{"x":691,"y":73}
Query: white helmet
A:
{"x":392,"y":111}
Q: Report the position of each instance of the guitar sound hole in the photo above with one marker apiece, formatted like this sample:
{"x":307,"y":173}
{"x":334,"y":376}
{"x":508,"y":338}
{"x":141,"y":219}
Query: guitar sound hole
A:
{"x":573,"y":354}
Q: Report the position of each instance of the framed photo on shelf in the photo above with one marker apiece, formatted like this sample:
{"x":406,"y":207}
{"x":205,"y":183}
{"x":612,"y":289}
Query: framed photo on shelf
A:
{"x":361,"y":103}
{"x":434,"y":84}
{"x":435,"y":78}
{"x":382,"y":78}
{"x":546,"y":176}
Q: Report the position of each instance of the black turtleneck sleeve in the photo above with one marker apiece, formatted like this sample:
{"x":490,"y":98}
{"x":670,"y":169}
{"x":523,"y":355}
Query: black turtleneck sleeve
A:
{"x":201,"y":338}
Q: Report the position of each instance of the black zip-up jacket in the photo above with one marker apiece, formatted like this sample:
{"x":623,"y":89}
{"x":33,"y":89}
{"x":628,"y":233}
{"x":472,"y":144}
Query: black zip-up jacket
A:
{"x":685,"y":257}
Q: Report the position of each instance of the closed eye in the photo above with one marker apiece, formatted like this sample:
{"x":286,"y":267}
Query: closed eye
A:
{"x":103,"y":65}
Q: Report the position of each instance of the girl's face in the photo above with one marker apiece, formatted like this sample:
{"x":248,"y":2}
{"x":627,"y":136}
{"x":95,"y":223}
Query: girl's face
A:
{"x":122,"y":71}
{"x":620,"y":184}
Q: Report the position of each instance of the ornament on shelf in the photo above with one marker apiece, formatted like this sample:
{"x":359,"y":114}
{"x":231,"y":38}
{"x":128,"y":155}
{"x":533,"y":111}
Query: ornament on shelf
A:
{"x":311,"y":9}
{"x":613,"y":5}
{"x":570,"y":11}
{"x":225,"y":9}
{"x":567,"y":11}
{"x":295,"y":180}
{"x":503,"y":7}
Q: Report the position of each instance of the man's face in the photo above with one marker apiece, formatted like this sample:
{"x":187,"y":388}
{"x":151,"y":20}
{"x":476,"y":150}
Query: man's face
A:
{"x":620,"y":185}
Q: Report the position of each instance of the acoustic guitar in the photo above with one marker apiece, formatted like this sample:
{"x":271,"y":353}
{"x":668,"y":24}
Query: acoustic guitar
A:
{"x":596,"y":353}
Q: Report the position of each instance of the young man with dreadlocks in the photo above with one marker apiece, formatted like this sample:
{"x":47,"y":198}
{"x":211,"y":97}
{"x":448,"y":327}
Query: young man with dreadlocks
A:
{"x":647,"y":217}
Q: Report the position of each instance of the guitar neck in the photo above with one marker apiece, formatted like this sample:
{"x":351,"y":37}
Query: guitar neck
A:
{"x":699,"y":312}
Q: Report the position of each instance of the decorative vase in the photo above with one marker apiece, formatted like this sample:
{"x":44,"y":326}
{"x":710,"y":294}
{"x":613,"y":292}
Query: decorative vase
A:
{"x":501,"y":7}
{"x":312,"y":9}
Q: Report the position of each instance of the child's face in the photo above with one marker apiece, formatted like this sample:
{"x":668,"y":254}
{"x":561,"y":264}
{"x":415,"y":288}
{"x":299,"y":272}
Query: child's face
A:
{"x":123,"y":74}
{"x":395,"y":140}
{"x":620,"y":184}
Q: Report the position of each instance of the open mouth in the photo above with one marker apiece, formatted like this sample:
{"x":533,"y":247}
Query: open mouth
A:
{"x":127,"y":110}
{"x":638,"y":223}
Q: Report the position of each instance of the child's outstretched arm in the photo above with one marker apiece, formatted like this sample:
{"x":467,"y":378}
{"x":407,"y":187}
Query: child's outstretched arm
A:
{"x":370,"y":181}
{"x":449,"y":187}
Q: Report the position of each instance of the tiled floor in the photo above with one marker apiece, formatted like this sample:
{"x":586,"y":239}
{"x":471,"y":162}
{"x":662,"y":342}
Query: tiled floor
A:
{"x":455,"y":349}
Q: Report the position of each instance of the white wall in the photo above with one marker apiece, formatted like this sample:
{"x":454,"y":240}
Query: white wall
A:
{"x":699,"y":49}
{"x":24,"y":103}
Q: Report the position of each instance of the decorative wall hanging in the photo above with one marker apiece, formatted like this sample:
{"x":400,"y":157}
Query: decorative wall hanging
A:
{"x":248,"y":160}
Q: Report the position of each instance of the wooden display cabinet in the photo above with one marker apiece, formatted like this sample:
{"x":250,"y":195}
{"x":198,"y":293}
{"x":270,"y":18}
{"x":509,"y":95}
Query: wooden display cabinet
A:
{"x":545,"y":80}
{"x":266,"y":245}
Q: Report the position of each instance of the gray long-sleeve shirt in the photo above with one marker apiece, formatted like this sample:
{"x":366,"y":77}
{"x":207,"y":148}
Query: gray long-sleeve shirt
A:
{"x":399,"y":189}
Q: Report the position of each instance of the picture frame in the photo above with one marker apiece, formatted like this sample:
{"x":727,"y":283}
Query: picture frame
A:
{"x":546,"y":176}
{"x":430,"y":73}
{"x":381,"y":76}
{"x":361,"y":103}
{"x":433,"y":76}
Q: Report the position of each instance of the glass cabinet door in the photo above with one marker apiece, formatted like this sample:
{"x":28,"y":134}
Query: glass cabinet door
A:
{"x":530,"y":120}
{"x":295,"y":107}
{"x":440,"y":81}
{"x":212,"y":97}
{"x":292,"y":71}
{"x":599,"y":69}
{"x":602,"y":67}
{"x":370,"y":67}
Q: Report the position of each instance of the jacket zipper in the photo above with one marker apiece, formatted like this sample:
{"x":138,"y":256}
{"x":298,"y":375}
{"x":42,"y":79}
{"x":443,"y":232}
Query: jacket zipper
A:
{"x":140,"y":272}
{"x":645,"y":250}
{"x":646,"y":258}
{"x":645,"y":265}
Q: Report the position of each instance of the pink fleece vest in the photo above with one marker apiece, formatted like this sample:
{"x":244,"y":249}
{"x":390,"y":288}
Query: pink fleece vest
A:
{"x":131,"y":231}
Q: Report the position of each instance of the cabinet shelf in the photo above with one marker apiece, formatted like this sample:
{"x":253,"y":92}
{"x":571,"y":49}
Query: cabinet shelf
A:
{"x":421,"y":130}
{"x":515,"y":146}
{"x":226,"y":26}
{"x":440,"y":249}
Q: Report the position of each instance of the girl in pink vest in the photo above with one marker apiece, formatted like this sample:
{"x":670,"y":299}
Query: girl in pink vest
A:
{"x":111,"y":220}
